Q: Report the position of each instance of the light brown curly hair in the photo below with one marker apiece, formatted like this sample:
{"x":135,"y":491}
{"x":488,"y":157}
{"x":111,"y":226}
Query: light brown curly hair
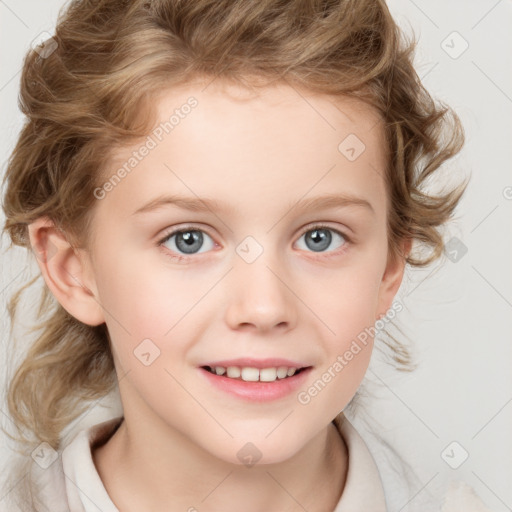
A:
{"x":95,"y":92}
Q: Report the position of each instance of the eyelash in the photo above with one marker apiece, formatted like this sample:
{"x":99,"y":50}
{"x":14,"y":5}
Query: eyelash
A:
{"x":338,"y":252}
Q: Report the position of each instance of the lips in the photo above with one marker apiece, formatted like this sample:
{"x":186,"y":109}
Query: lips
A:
{"x":250,"y":374}
{"x":271,"y":362}
{"x":253,"y":370}
{"x":254,"y":389}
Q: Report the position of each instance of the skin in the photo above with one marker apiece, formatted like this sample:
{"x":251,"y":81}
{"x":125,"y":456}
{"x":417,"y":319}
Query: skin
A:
{"x":259,"y":154}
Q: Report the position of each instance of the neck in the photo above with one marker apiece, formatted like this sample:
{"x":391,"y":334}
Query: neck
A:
{"x":178,"y":475}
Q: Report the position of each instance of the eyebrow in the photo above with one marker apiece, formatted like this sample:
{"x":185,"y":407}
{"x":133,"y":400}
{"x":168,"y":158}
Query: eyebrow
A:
{"x":206,"y":204}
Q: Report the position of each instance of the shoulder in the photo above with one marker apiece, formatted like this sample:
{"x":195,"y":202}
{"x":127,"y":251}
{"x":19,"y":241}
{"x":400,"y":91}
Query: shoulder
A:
{"x":363,"y":489}
{"x":71,"y":478}
{"x":369,"y":459}
{"x":461,"y":496}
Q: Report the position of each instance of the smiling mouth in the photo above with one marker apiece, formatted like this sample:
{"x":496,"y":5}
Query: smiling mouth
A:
{"x":250,"y":374}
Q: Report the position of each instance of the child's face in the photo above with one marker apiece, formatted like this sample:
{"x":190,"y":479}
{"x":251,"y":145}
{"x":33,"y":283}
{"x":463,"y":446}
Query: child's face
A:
{"x":261,"y":283}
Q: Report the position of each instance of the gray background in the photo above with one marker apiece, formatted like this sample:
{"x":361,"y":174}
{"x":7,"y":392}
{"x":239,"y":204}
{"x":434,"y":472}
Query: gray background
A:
{"x":458,"y":313}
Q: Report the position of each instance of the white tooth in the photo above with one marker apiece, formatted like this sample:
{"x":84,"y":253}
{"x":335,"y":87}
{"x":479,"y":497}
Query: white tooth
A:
{"x":291,"y":371}
{"x":250,"y":374}
{"x":268,"y":374}
{"x":282,"y":372}
{"x":219,"y":370}
{"x":233,"y":372}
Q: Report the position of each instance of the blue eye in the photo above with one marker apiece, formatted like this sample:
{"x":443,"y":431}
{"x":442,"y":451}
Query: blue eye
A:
{"x":318,"y":238}
{"x":186,"y":241}
{"x":189,"y":241}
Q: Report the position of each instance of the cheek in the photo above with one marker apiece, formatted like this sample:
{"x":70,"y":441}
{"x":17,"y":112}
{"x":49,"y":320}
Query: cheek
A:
{"x":150,"y":309}
{"x":347,"y":303}
{"x":348,"y":342}
{"x":141,"y":294}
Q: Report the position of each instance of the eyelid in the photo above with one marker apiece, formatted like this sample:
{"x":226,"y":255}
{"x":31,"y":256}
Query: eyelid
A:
{"x":325,"y":225}
{"x":168,"y":232}
{"x":315,"y":225}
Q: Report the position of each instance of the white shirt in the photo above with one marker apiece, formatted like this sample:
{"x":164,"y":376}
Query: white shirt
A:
{"x":72,"y":483}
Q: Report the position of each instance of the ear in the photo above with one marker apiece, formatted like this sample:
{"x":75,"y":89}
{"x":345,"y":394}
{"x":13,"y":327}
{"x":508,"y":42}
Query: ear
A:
{"x":392,"y":279}
{"x":66,"y":271}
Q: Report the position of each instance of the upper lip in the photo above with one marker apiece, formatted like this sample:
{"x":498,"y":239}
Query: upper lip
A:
{"x":269,"y":362}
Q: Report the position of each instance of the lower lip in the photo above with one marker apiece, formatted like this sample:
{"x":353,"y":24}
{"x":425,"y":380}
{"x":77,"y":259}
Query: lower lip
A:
{"x":257,"y":391}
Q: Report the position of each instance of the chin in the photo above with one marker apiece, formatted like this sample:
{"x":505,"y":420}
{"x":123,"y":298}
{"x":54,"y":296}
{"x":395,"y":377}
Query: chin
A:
{"x":258,"y":452}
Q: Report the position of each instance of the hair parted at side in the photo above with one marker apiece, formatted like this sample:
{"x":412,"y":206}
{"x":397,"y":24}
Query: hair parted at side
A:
{"x":96,"y":92}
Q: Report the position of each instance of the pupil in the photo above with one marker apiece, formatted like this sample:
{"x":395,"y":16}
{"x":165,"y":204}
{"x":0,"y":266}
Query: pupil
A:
{"x":321,"y":239}
{"x":187,"y":239}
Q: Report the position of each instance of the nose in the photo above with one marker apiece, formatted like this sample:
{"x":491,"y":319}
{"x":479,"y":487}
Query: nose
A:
{"x":260,"y":298}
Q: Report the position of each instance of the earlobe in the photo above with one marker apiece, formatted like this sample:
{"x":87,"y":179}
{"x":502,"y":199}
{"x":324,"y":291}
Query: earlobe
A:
{"x":64,"y":272}
{"x":392,"y":279}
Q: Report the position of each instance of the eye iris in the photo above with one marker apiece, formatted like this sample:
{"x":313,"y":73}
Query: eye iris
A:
{"x":321,"y":238}
{"x":185,"y":241}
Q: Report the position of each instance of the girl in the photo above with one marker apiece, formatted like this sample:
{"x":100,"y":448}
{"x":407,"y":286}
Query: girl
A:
{"x":222,"y":198}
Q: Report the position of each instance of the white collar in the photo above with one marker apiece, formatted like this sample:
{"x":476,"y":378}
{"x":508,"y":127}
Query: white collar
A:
{"x":363,"y":491}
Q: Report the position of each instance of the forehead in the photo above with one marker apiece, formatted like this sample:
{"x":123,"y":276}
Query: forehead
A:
{"x":288,"y":109}
{"x":219,"y":138}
